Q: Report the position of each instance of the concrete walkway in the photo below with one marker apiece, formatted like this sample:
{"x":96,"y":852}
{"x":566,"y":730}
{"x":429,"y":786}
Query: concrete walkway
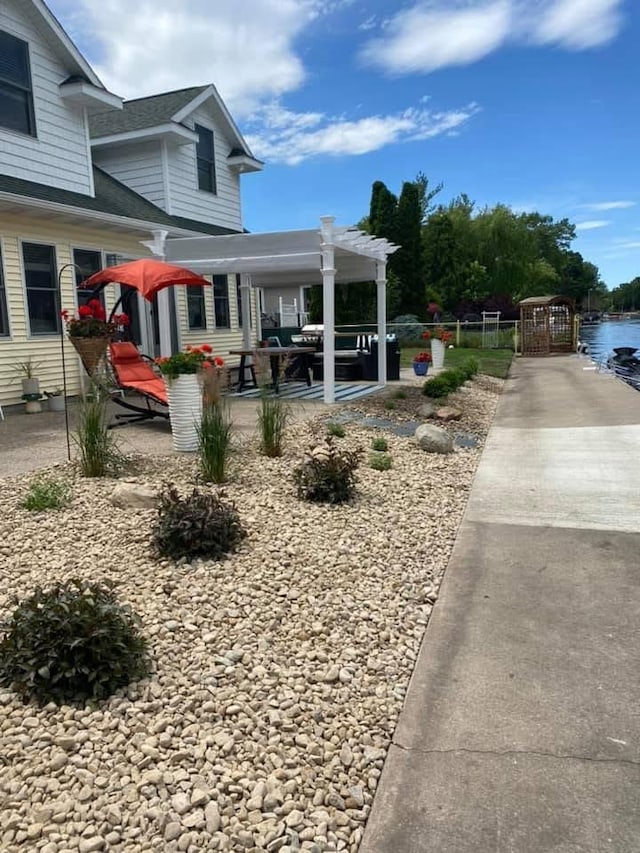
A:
{"x":521,"y":728}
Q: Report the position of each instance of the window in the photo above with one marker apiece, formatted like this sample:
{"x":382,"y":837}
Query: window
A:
{"x":195,"y":307}
{"x":16,"y":97}
{"x":221,"y":301}
{"x":87,"y":262}
{"x":239,"y":301}
{"x":42,"y":288}
{"x":4,"y":317}
{"x":206,"y":159}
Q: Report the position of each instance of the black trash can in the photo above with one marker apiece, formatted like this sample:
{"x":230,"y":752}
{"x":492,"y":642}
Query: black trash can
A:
{"x":369,"y":361}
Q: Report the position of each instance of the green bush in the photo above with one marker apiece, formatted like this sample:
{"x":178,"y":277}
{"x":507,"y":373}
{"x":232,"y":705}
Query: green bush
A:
{"x":399,"y":394}
{"x":199,"y":525}
{"x":469,"y":367}
{"x":455,"y":377}
{"x":215,"y":436}
{"x":327,"y":475}
{"x":99,"y":455}
{"x":380,"y":461}
{"x":389,"y":405}
{"x":46,"y":494}
{"x":72,"y":644}
{"x":336,"y":430}
{"x":437,"y":387}
{"x":379,"y":443}
{"x":272,"y":421}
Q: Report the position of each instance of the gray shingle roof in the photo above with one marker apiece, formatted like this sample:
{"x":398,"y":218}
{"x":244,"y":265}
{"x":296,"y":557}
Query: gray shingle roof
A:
{"x":142,"y":112}
{"x":112,"y":197}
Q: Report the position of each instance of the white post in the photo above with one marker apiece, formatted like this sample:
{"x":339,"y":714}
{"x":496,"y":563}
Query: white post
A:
{"x":245,"y":301}
{"x":381,"y":293}
{"x":164,"y":321}
{"x":280,"y":310}
{"x":329,"y":306}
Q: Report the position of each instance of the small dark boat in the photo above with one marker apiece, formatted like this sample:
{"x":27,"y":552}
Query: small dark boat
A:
{"x":625,"y":363}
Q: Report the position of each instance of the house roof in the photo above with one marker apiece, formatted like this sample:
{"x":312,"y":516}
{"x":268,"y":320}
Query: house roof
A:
{"x":142,"y":112}
{"x":111,"y":197}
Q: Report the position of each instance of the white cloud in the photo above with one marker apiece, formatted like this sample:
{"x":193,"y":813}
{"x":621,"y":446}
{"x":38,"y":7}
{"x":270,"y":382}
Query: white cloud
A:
{"x":579,"y":24}
{"x":609,"y":205}
{"x":434,"y":34}
{"x":424,"y":38}
{"x":157,"y":45}
{"x":283,"y":136}
{"x":591,"y":224}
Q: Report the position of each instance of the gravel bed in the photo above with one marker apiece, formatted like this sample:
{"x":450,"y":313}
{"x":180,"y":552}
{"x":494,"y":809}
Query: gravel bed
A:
{"x":279,"y":673}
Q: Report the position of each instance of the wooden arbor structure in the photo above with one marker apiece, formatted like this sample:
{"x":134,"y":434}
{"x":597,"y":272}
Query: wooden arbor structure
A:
{"x":547,"y":325}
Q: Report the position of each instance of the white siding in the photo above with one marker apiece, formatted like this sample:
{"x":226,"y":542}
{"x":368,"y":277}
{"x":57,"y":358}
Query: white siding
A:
{"x":59,"y":156}
{"x":138,"y":166}
{"x":222,"y":208}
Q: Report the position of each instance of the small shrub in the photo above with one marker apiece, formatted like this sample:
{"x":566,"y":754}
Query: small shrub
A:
{"x":72,"y":644}
{"x":436,"y":387}
{"x":389,"y":405}
{"x":46,"y":494}
{"x":215,"y":436}
{"x":379,"y":443}
{"x":336,"y":430}
{"x":272,"y":421}
{"x":470,"y":367}
{"x":99,"y":455}
{"x":199,"y":525}
{"x":455,"y":377}
{"x":380,"y":461}
{"x":399,"y":394}
{"x":327,"y":475}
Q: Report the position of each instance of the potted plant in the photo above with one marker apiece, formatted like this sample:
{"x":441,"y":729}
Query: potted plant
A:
{"x":30,"y":383}
{"x":439,"y":338}
{"x":90,"y":331}
{"x":421,"y":363}
{"x":182,"y":373}
{"x":55,"y":399}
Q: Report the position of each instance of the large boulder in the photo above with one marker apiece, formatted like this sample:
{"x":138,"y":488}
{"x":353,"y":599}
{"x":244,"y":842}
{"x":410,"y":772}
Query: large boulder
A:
{"x":426,"y":411}
{"x":132,"y":495}
{"x":433,"y":439}
{"x":448,"y":413}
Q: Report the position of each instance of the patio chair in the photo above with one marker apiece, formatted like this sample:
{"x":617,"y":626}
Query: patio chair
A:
{"x":132,"y":371}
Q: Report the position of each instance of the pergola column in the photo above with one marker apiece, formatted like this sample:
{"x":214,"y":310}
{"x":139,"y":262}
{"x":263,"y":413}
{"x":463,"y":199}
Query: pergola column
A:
{"x":329,"y":307}
{"x":381,"y":293}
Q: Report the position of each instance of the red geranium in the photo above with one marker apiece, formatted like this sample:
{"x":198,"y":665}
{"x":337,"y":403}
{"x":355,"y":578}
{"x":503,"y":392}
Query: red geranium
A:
{"x":91,"y":321}
{"x":422,"y":357}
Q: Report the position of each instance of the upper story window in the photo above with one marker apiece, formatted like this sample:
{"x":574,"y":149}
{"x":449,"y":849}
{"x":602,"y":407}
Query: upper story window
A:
{"x":206,"y":159}
{"x":16,"y":96}
{"x":42,"y":288}
{"x":221,"y":301}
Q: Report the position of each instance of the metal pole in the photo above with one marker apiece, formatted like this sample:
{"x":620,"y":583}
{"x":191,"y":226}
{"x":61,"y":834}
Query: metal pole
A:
{"x":58,"y":298}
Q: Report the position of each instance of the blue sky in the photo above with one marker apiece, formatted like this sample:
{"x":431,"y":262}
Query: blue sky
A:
{"x":533,"y":103}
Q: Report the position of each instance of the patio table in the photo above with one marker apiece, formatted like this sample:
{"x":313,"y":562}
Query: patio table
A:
{"x":276,"y":356}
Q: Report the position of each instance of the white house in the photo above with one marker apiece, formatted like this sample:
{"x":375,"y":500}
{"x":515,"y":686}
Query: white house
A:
{"x":84,"y":180}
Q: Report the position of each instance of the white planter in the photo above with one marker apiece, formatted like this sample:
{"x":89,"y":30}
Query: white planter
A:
{"x":185,"y":410}
{"x":437,"y":354}
{"x":56,"y":403}
{"x":30,"y":386}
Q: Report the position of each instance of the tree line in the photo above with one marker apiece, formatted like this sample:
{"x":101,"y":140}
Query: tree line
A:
{"x":463,"y":260}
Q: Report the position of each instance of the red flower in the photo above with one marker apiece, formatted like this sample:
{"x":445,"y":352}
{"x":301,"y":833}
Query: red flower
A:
{"x":426,"y":335}
{"x":207,"y":365}
{"x":64,"y":314}
{"x":219,"y":362}
{"x":206,"y":348}
{"x":422,"y":357}
{"x":85,"y":311}
{"x":121,"y":320}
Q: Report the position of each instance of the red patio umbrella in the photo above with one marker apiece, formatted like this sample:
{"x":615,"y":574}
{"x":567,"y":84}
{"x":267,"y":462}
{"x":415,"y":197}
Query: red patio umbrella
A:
{"x":148,"y":276}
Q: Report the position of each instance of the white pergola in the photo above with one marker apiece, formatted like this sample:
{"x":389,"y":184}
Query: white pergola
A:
{"x":323,"y":256}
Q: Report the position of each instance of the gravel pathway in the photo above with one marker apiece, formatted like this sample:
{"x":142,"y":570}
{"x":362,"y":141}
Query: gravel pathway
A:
{"x":279,"y":673}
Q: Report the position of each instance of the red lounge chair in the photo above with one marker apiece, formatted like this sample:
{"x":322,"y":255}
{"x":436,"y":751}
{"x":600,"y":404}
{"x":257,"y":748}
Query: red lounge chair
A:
{"x":133,"y":373}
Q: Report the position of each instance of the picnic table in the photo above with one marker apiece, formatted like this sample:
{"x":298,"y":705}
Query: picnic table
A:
{"x":276,"y":357}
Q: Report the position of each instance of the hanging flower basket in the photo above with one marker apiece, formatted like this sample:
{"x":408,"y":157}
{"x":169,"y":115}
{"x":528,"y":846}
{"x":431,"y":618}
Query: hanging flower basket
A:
{"x":90,"y":350}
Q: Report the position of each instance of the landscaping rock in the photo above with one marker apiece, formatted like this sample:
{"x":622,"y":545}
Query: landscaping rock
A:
{"x":426,"y":411}
{"x":448,"y":413}
{"x":433,"y":439}
{"x":130,"y":495}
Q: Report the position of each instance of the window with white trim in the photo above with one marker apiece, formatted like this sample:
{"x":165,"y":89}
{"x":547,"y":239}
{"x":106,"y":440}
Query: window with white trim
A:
{"x":16,"y":95}
{"x":41,"y":280}
{"x":4,"y":315}
{"x":206,"y":159}
{"x":87,"y":262}
{"x":196,"y":310}
{"x":221,"y":301}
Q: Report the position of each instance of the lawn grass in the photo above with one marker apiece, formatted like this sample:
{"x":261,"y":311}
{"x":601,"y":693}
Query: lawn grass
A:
{"x":492,"y":362}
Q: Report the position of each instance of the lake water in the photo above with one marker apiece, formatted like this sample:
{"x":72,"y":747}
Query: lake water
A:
{"x":603,"y":337}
